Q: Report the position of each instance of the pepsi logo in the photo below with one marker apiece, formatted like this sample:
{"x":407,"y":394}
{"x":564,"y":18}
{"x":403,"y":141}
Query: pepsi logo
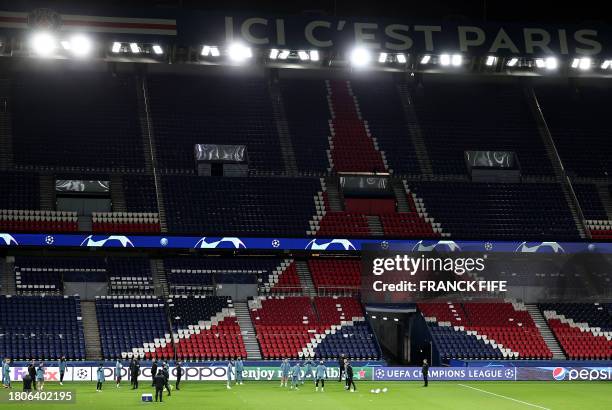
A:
{"x":559,"y":373}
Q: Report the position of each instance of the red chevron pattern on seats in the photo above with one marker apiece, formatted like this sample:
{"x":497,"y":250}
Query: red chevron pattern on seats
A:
{"x":580,"y":344}
{"x":221,"y":341}
{"x":336,"y":275}
{"x":352,"y":147}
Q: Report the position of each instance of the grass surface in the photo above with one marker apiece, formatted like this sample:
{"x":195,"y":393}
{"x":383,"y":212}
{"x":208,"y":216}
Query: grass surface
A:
{"x":400,"y":395}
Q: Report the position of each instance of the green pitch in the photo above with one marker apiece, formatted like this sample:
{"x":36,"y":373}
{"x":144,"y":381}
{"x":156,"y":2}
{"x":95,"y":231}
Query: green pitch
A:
{"x":269,"y":396}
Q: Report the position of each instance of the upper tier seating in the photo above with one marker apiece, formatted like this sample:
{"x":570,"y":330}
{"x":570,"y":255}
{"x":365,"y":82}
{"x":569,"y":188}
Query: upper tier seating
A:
{"x":240,"y":206}
{"x":42,"y":328}
{"x":139,"y":192}
{"x":205,"y":328}
{"x":37,"y":221}
{"x":578,"y":120}
{"x":490,"y":210}
{"x":212,"y":110}
{"x":20,"y":190}
{"x":84,"y":121}
{"x":133,"y":326}
{"x":307,"y":113}
{"x":590,"y":201}
{"x":474,"y":116}
{"x":381,"y":108}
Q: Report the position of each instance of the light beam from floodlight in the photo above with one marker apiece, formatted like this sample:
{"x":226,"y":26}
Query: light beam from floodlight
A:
{"x":360,"y":57}
{"x":43,"y":43}
{"x":239,"y":52}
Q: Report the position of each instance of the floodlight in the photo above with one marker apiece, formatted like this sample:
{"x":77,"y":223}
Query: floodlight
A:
{"x":157,"y":49}
{"x":360,"y":57}
{"x":314,"y":55}
{"x":80,"y":45}
{"x":445,"y":59}
{"x":239,"y":52}
{"x":456,"y":60}
{"x":303,"y":55}
{"x":401,"y":58}
{"x":134,"y":48}
{"x":512,"y":62}
{"x":43,"y":43}
{"x":491,"y":60}
{"x":283,"y":54}
{"x":273,"y":54}
{"x":116,"y":47}
{"x":606,"y":64}
{"x":425,"y":59}
{"x":382,"y":57}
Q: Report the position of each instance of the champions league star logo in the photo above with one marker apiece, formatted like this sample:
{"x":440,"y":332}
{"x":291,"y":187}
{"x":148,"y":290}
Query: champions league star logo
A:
{"x":541,"y":247}
{"x":7,"y":239}
{"x":220,"y":243}
{"x":440,"y":246}
{"x":333,"y":245}
{"x":509,"y":373}
{"x":82,"y":374}
{"x":49,"y":240}
{"x":110,"y":241}
{"x":275,"y":243}
{"x":379,"y":373}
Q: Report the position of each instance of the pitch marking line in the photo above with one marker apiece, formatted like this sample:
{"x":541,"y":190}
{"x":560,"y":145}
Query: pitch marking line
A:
{"x":504,"y":397}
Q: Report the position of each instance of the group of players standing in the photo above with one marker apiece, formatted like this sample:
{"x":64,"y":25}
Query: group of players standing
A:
{"x":34,"y":378}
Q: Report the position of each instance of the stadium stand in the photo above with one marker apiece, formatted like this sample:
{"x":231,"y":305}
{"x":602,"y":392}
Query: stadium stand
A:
{"x":296,"y":327}
{"x":205,"y":327}
{"x":84,"y":121}
{"x":578,"y":113}
{"x":480,"y":116}
{"x":336,"y":275}
{"x":240,"y":206}
{"x":511,"y":210}
{"x":583,"y":330}
{"x":41,"y":327}
{"x":134,"y":326}
{"x":484,"y":331}
{"x":212,"y":110}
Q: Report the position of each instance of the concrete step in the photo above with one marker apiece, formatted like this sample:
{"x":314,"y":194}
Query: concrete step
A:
{"x":93,"y":348}
{"x":376,"y":228}
{"x":249,"y":336}
{"x":305,"y":278}
{"x":548,"y":336}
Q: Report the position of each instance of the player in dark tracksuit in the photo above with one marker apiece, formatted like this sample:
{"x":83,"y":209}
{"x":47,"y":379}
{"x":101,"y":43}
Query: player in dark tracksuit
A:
{"x":153,"y":372}
{"x":350,"y":384}
{"x":159,"y":381}
{"x":166,"y":373}
{"x":425,"y":371}
{"x":341,"y":366}
{"x":179,"y":374}
{"x":134,"y":373}
{"x":32,"y":373}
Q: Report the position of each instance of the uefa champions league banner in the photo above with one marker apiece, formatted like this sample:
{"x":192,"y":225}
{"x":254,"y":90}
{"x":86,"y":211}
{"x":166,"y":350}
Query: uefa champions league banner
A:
{"x":51,"y":240}
{"x":495,"y":374}
{"x":190,"y":373}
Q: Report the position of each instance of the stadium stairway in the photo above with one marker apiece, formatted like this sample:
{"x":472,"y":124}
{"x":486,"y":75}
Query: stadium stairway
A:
{"x":7,"y":278}
{"x":93,"y":349}
{"x":305,"y":278}
{"x":248,"y":331}
{"x":6,"y":136}
{"x":557,"y":164}
{"x":415,"y":131}
{"x":117,"y":193}
{"x":547,"y":334}
{"x":375,"y":225}
{"x":280,"y":118}
{"x":47,"y":192}
{"x":160,"y":282}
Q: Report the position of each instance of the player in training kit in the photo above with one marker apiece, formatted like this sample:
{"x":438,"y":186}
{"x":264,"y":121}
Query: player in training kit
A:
{"x":285,"y":369}
{"x":230,"y":370}
{"x":100,"y":378}
{"x":308,"y":370}
{"x":166,"y":373}
{"x":32,"y":373}
{"x":320,"y":376}
{"x":348,"y":368}
{"x":154,"y":366}
{"x":40,"y":376}
{"x":62,"y":369}
{"x":296,"y":374}
{"x":6,"y":374}
{"x":179,"y":374}
{"x":118,"y":368}
{"x":239,"y":370}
